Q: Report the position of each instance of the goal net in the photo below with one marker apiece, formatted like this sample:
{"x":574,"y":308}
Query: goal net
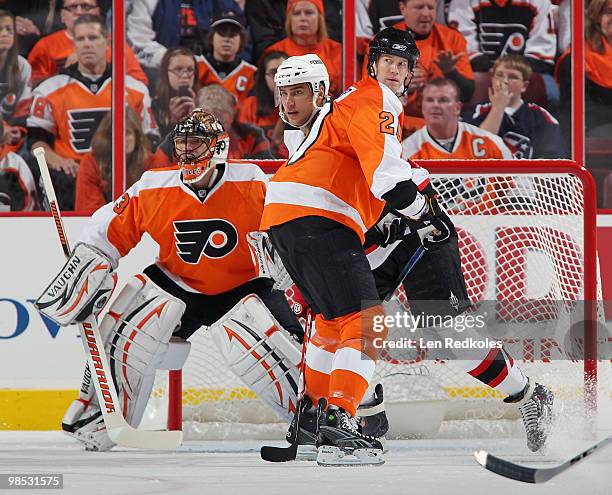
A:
{"x":526,"y":238}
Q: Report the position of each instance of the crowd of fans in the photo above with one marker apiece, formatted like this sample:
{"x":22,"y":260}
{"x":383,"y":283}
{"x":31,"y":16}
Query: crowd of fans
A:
{"x":493,"y":80}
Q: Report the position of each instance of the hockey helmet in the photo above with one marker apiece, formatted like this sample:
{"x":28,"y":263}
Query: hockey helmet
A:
{"x":303,"y":69}
{"x":396,"y":42}
{"x":200,"y":142}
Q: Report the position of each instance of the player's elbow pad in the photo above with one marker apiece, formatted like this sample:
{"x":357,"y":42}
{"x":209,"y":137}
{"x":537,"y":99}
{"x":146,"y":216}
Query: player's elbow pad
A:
{"x":406,"y":199}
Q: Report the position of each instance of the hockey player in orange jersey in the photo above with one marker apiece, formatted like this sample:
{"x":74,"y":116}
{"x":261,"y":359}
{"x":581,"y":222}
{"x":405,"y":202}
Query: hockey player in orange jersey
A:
{"x":203,"y":215}
{"x":434,"y":286}
{"x":319,"y":206}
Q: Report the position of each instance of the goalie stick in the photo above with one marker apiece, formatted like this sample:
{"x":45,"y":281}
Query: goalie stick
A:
{"x":119,"y":431}
{"x":285,"y":454}
{"x":533,"y":475}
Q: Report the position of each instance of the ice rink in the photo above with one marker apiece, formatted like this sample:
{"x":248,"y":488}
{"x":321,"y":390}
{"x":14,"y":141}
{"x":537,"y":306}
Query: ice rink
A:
{"x":413,"y":467}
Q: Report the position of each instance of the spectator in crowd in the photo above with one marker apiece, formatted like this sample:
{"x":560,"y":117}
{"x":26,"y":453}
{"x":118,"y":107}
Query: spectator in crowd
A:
{"x":67,"y":108}
{"x":249,"y":140}
{"x":493,"y":29}
{"x":177,"y":86}
{"x":307,"y":33}
{"x":598,"y":81}
{"x":260,"y":109}
{"x":17,"y":184}
{"x":528,"y":130}
{"x":94,"y":177}
{"x":34,"y":18}
{"x":443,"y":52}
{"x":266,"y":20}
{"x":221,"y":64}
{"x":444,"y":136}
{"x":55,"y":52}
{"x":513,"y":27}
{"x":15,"y":86}
{"x":154,"y":26}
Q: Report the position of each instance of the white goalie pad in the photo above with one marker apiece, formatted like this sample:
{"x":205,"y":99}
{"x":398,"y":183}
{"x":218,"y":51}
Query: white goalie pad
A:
{"x":260,"y":354}
{"x":82,"y":287}
{"x":138,"y":326}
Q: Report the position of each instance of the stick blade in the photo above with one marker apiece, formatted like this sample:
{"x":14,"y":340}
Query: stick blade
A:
{"x":123,"y":434}
{"x":279,"y":454}
{"x":505,"y":468}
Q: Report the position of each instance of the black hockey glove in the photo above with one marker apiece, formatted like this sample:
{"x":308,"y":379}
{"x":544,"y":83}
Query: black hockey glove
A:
{"x":433,"y":226}
{"x":390,"y":229}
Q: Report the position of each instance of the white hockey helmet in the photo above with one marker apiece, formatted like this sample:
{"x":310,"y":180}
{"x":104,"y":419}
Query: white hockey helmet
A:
{"x":308,"y":69}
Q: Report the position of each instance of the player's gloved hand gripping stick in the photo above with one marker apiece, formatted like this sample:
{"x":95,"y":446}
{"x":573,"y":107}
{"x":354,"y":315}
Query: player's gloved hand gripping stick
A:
{"x":118,"y":429}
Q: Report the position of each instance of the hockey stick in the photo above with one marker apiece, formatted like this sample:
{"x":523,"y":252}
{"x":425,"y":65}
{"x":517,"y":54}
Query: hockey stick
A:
{"x":285,"y":454}
{"x":119,"y":431}
{"x":533,"y":475}
{"x":416,"y":257}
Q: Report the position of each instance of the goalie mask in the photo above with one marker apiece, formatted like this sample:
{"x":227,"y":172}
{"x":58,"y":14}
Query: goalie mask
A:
{"x":306,"y":69}
{"x":200,"y":142}
{"x":391,"y":41}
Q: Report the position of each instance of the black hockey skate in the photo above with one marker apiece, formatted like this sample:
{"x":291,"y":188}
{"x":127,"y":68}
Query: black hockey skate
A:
{"x":537,"y":412}
{"x":307,"y":433}
{"x":372,"y":418}
{"x":340,"y":443}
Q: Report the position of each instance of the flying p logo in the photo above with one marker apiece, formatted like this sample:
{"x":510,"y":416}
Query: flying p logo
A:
{"x":213,"y":238}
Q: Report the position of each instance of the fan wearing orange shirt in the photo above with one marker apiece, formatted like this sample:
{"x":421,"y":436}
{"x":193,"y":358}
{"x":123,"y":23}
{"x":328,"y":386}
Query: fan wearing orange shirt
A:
{"x":319,"y":206}
{"x":213,"y":269}
{"x":307,"y":33}
{"x":221,"y":64}
{"x":443,"y":52}
{"x":55,"y":52}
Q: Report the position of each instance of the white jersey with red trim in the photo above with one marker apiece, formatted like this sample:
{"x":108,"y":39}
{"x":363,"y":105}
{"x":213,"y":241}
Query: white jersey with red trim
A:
{"x":202,"y":242}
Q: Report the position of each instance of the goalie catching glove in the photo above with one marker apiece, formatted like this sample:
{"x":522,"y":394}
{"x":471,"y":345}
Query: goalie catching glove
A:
{"x":267,"y":260}
{"x":82,"y":287}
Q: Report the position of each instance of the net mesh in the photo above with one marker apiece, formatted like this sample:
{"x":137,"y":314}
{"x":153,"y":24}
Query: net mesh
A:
{"x":521,"y":239}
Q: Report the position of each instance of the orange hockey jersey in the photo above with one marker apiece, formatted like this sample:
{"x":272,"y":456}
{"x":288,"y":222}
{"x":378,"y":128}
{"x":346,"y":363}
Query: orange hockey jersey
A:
{"x":70,"y":107}
{"x":202,"y":244}
{"x":329,"y":51}
{"x":49,"y":55}
{"x":238,"y":82}
{"x":470,"y":142}
{"x":350,"y":159}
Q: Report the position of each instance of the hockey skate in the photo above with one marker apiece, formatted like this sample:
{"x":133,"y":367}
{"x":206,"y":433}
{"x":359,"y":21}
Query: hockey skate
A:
{"x":340,"y":443}
{"x":307,"y":433}
{"x":372,"y":418}
{"x":535,"y":404}
{"x":83,"y":421}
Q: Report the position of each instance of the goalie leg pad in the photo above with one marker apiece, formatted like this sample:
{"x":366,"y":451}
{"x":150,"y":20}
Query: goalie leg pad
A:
{"x":260,"y":354}
{"x":136,"y":332}
{"x":82,"y":287}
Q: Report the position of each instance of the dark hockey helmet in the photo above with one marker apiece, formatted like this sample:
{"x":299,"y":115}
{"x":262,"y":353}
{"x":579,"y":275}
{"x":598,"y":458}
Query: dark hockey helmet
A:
{"x":396,"y":42}
{"x":200,"y":142}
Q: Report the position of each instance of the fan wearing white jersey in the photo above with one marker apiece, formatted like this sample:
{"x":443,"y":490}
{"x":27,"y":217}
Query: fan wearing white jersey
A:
{"x":213,"y":269}
{"x":434,"y":286}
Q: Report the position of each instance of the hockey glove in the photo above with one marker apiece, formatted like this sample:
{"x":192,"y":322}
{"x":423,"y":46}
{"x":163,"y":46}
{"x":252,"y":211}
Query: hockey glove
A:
{"x":390,"y":229}
{"x":267,"y":260}
{"x":431,"y":226}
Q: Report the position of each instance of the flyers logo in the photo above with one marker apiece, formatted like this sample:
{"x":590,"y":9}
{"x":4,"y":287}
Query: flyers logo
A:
{"x":213,"y":238}
{"x":121,"y":204}
{"x":83,"y":125}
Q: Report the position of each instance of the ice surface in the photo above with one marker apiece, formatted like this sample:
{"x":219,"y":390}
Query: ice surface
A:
{"x":423,"y":467}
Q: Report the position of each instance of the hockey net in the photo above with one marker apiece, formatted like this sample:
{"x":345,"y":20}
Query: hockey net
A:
{"x":524,"y":229}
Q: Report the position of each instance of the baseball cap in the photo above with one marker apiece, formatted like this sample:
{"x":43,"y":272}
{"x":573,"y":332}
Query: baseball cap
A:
{"x":227,"y":17}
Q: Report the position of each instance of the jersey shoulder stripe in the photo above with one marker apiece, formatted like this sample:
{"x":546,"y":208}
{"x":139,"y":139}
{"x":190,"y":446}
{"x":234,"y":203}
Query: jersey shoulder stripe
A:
{"x":244,"y":172}
{"x":158,"y":178}
{"x":53,"y":84}
{"x":544,"y":113}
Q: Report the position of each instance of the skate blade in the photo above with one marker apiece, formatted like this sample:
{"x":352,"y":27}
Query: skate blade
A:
{"x":306,"y":453}
{"x":335,"y":456}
